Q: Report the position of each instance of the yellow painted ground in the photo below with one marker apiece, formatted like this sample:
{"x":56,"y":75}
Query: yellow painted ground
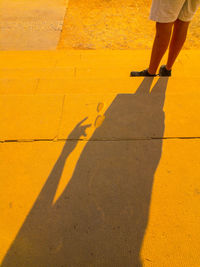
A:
{"x":133,"y":196}
{"x":97,"y":169}
{"x":172,"y":236}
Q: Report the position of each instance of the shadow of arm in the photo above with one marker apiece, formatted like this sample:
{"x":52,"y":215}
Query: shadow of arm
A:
{"x":48,"y":191}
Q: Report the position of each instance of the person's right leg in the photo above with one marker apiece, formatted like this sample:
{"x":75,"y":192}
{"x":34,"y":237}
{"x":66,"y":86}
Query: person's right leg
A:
{"x":177,"y":41}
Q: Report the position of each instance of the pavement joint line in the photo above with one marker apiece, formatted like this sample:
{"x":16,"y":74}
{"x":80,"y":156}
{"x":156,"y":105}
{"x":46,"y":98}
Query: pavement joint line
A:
{"x":95,"y":140}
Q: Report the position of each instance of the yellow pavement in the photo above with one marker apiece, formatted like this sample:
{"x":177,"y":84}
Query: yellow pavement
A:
{"x":98,"y":169}
{"x":133,"y":180}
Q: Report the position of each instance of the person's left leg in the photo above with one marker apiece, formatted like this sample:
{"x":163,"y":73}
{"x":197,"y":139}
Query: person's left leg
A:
{"x":160,"y":45}
{"x":177,"y":41}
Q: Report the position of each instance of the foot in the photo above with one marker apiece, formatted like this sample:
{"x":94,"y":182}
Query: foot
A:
{"x":164,"y":71}
{"x":142,"y":73}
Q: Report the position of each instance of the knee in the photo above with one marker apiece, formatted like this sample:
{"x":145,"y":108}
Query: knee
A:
{"x":163,"y":35}
{"x":163,"y":31}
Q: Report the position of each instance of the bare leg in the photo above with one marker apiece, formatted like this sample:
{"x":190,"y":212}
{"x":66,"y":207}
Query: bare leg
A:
{"x":177,"y":41}
{"x":161,"y":43}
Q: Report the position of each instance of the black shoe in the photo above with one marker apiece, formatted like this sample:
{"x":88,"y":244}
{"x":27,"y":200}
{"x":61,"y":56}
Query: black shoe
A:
{"x":142,"y":73}
{"x":164,"y":72}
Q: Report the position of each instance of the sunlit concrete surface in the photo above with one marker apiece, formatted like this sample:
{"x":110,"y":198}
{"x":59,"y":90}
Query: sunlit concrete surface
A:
{"x":31,"y":25}
{"x":121,"y":191}
{"x":172,"y":236}
{"x":97,"y":169}
{"x":114,"y":24}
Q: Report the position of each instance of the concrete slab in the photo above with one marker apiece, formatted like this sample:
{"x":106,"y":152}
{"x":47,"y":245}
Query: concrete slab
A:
{"x":123,"y":190}
{"x":31,"y":25}
{"x":37,"y":73}
{"x":90,"y":64}
{"x":30,"y":117}
{"x":100,"y":202}
{"x":107,"y":81}
{"x":38,"y":59}
{"x":140,"y":114}
{"x":18,"y":86}
{"x":87,"y":58}
{"x":126,"y":111}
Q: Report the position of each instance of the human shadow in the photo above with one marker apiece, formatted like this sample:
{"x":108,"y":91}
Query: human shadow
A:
{"x":101,"y":217}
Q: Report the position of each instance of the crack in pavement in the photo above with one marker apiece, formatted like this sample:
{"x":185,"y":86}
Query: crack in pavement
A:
{"x":95,"y":140}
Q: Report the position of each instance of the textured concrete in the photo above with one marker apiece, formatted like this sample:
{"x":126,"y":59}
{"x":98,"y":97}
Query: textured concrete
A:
{"x":119,"y":192}
{"x":31,"y":25}
{"x":62,"y":88}
{"x":82,"y":24}
{"x":30,"y":117}
{"x":114,"y":24}
{"x":97,"y":169}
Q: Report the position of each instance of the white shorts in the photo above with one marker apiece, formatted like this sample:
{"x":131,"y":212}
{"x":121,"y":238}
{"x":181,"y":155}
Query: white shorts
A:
{"x":170,"y":10}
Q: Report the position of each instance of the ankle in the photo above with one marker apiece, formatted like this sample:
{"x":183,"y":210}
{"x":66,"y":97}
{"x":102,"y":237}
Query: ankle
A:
{"x":151,"y":72}
{"x":168,"y":68}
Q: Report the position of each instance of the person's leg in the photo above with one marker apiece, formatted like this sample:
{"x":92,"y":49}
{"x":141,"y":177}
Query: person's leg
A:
{"x":177,"y":41}
{"x":160,"y":45}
